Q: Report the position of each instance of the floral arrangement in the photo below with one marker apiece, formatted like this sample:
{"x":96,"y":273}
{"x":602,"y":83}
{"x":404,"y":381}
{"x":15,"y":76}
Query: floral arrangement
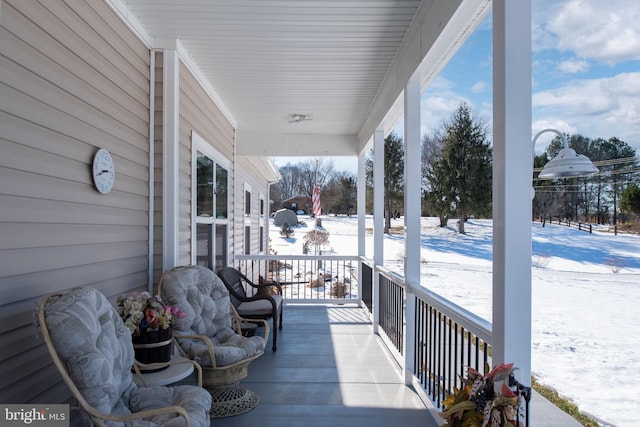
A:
{"x":142,"y":312}
{"x":477,"y":404}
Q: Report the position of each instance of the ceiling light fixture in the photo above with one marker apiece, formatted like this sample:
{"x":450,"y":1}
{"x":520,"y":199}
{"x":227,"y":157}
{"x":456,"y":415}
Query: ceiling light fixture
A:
{"x":299,"y":118}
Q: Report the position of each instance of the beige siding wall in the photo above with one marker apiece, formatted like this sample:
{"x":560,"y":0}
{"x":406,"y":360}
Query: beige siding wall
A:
{"x":198,"y":113}
{"x":249,"y":171}
{"x":72,"y":80}
{"x":157,"y":174}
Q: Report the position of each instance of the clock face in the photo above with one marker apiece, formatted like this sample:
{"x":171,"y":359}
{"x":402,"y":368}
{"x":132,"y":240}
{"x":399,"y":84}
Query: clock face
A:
{"x":104,"y":173}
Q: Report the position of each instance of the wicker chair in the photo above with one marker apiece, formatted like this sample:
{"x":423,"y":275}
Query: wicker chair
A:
{"x":210,"y":334}
{"x":262,"y":305}
{"x":92,"y":349}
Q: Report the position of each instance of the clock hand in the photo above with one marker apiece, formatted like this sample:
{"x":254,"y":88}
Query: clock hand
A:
{"x":103,"y":171}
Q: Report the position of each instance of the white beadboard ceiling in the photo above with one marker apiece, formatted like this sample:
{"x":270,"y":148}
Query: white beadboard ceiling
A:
{"x":341,"y":64}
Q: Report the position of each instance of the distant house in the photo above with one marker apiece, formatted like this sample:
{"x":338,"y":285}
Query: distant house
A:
{"x":298,"y":203}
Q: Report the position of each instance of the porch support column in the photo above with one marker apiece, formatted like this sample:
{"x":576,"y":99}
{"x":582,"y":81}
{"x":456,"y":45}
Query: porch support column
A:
{"x":361,"y":212}
{"x":170,"y":188}
{"x":378,"y":221}
{"x":512,"y":175}
{"x":412,"y":211}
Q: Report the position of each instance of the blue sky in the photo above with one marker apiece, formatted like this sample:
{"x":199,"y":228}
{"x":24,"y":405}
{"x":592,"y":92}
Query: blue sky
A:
{"x":585,"y":66}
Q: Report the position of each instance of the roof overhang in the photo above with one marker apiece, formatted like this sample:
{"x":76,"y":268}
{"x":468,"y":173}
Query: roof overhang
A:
{"x":341,"y":66}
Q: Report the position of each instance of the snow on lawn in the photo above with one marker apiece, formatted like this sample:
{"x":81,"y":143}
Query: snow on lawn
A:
{"x":586,"y":299}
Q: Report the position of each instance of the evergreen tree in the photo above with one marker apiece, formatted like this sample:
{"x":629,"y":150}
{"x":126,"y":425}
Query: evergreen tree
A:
{"x":630,"y":199}
{"x":429,"y":152}
{"x":393,"y":178}
{"x":347,"y":184}
{"x":461,"y":175}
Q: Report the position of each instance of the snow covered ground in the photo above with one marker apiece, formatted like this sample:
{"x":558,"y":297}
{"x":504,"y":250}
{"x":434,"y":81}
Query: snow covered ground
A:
{"x":586,"y":300}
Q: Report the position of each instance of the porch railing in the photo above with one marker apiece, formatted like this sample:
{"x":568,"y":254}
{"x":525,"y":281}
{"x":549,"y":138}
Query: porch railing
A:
{"x":306,"y":277}
{"x":445,"y":338}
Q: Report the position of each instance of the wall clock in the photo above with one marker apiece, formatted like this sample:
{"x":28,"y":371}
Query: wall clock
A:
{"x":104,"y":174}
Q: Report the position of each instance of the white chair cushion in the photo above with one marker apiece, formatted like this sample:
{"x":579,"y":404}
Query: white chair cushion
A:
{"x":95,"y":346}
{"x":204,"y":299}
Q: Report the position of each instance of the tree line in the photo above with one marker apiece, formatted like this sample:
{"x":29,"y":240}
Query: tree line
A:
{"x":339,"y":188}
{"x":608,"y":197}
{"x":457,"y":178}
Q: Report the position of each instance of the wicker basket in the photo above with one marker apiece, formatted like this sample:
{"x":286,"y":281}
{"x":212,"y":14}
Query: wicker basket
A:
{"x":153,"y":347}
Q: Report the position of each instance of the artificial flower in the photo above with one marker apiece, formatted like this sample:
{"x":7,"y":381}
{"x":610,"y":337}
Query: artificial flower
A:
{"x":477,"y":404}
{"x":142,"y":312}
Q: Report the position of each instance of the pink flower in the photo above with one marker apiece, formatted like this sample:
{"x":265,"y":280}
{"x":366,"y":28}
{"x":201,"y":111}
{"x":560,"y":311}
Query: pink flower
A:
{"x":177,"y":312}
{"x":151,"y":318}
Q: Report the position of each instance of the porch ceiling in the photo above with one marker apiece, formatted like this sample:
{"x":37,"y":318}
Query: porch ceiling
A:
{"x":342,"y":64}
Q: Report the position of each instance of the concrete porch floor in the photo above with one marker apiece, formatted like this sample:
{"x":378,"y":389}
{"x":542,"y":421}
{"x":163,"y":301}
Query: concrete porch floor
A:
{"x":330,"y":370}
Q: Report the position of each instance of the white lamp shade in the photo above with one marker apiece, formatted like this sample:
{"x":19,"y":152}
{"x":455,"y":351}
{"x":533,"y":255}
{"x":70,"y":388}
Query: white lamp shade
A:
{"x":568,"y":164}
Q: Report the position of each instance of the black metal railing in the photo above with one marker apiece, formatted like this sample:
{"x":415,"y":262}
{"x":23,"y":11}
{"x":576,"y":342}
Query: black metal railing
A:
{"x":367,"y":285}
{"x":445,"y":347}
{"x":392,"y":309}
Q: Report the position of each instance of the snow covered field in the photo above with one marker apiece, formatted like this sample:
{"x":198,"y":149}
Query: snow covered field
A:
{"x":586,"y":300}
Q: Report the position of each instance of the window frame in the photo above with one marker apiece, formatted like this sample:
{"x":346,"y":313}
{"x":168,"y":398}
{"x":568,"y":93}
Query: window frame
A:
{"x":199,"y":146}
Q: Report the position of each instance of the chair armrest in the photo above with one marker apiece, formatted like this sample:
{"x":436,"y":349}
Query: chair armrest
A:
{"x":237,"y":319}
{"x":174,"y":409}
{"x":207,"y":342}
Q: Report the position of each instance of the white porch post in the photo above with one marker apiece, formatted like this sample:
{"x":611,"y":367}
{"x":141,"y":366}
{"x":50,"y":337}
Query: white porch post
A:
{"x":170,"y":121}
{"x":378,"y":221}
{"x":512,"y":175}
{"x":362,"y":212}
{"x":412,"y":211}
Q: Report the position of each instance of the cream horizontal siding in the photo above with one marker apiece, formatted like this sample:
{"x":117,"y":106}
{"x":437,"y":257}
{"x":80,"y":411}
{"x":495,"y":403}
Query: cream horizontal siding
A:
{"x":157,"y":164}
{"x":249,"y":172}
{"x":74,"y":78}
{"x":198,"y":113}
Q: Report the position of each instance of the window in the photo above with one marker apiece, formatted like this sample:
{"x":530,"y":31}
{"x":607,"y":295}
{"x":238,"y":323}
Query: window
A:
{"x":261,"y":238}
{"x":262,"y":224}
{"x":247,"y":239}
{"x":211,"y":207}
{"x":247,"y":218}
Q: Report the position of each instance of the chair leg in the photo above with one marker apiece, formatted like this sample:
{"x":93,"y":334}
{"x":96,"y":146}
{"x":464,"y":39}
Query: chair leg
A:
{"x":275,"y":333}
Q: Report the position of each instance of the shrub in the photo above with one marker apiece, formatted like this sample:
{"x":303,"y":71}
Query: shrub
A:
{"x":286,"y":230}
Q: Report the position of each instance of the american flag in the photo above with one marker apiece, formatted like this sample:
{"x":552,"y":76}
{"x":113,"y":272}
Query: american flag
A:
{"x":315,"y":199}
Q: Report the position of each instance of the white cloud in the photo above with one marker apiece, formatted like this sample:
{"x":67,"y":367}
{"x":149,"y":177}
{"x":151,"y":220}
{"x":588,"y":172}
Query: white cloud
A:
{"x":438,"y":103}
{"x":545,"y":138}
{"x":602,"y":107}
{"x":573,"y":66}
{"x":479,"y":87}
{"x":608,"y":34}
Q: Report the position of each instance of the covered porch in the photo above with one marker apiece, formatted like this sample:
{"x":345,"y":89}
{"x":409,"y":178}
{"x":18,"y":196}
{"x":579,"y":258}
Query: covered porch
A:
{"x":331,"y":370}
{"x":302,"y":79}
